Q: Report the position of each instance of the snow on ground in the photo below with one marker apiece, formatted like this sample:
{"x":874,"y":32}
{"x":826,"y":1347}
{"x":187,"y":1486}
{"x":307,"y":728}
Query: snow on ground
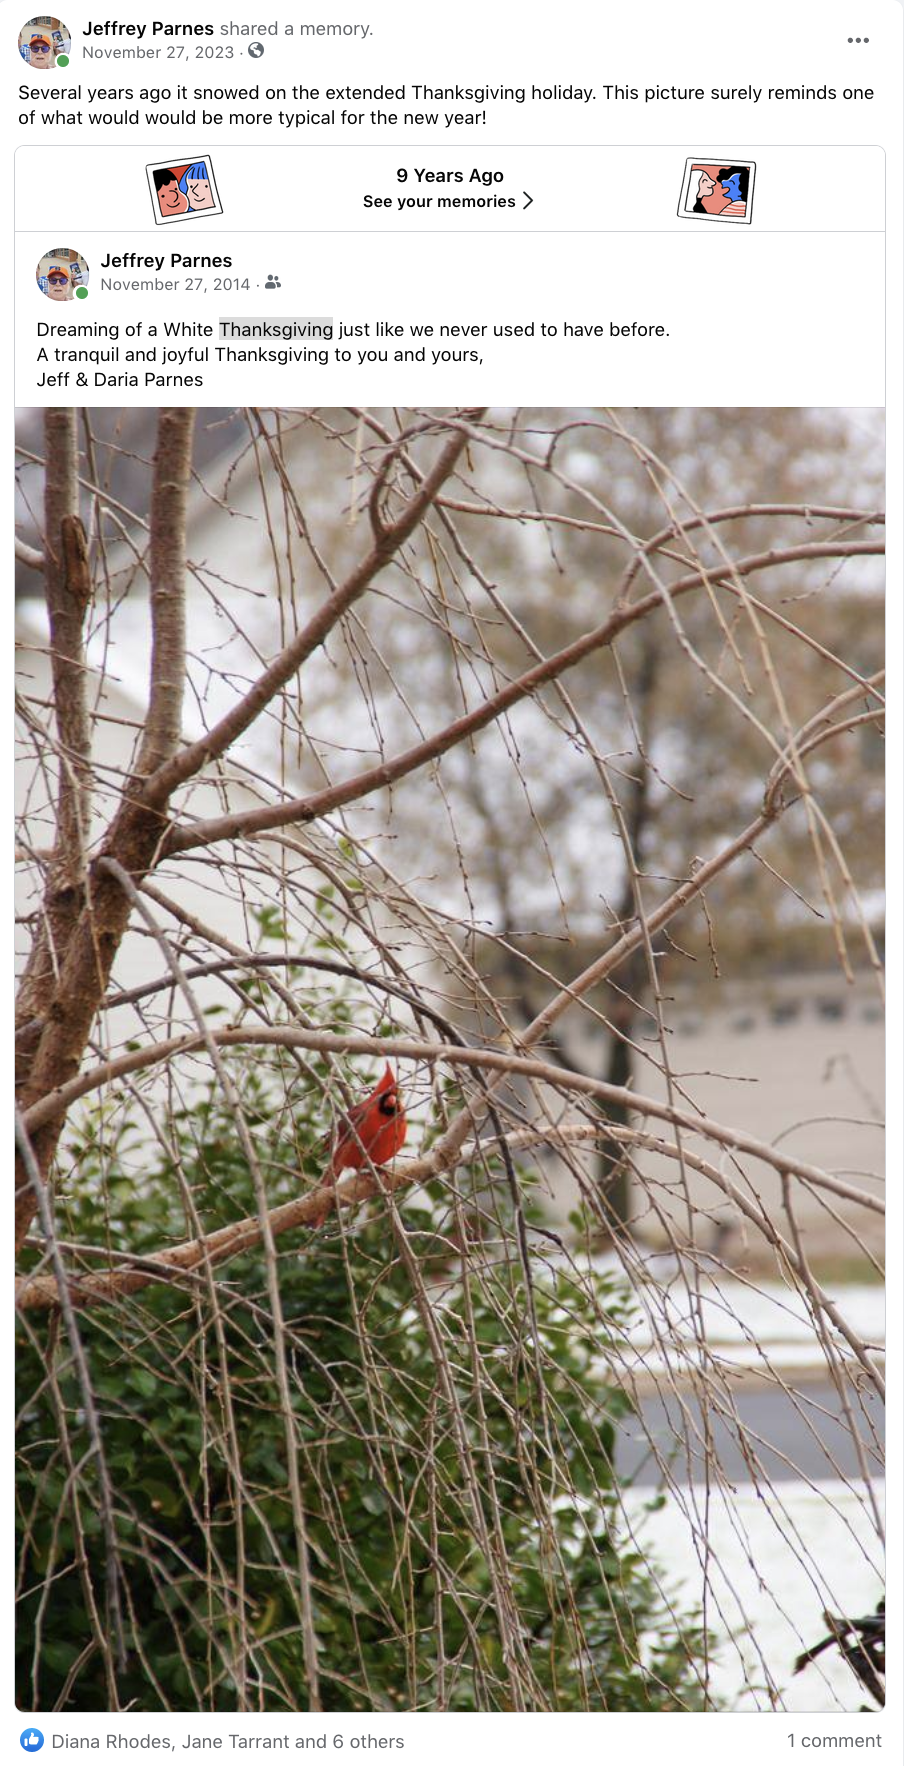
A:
{"x":744,"y":1322}
{"x":766,"y":1601}
{"x":779,"y":1555}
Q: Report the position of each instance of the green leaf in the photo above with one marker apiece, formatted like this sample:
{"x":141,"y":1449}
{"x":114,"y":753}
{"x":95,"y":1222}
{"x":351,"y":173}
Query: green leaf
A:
{"x":143,"y":1381}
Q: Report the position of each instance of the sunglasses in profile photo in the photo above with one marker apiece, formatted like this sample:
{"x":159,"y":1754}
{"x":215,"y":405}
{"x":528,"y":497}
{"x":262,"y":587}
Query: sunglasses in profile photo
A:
{"x":42,"y":40}
{"x":61,"y":272}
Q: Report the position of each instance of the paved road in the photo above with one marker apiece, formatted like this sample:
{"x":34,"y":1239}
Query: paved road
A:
{"x":804,"y":1436}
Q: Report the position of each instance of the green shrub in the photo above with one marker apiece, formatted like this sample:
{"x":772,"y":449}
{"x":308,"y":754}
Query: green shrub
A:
{"x":450,"y":1502}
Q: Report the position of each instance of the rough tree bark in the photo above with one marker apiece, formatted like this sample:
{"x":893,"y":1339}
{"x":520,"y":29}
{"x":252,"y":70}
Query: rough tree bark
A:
{"x":136,"y":834}
{"x":86,"y":910}
{"x":96,"y":910}
{"x":67,"y":590}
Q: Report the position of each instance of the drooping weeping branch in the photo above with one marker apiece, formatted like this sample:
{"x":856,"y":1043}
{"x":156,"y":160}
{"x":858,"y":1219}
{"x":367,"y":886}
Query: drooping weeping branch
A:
{"x":135,"y":835}
{"x":415,"y":1049}
{"x":38,"y":1291}
{"x":48,"y":1108}
{"x":138,"y":835}
{"x":186,"y":836}
{"x":814,"y":733}
{"x":389,"y":537}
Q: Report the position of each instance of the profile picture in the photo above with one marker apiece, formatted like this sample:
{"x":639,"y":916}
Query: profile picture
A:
{"x":181,"y":189}
{"x":43,"y":40}
{"x":718,"y":190}
{"x":62,"y":274}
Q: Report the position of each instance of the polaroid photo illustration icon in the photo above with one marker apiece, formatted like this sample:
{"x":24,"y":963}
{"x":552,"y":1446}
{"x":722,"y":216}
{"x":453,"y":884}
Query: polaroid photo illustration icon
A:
{"x":183,"y":190}
{"x":718,"y":189}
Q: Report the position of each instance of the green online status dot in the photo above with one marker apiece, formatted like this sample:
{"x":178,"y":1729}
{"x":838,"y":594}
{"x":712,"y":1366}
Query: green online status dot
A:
{"x":62,"y":61}
{"x":81,"y":294}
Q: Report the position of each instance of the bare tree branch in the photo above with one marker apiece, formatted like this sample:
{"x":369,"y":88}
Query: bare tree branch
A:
{"x":134,"y":837}
{"x":29,"y":555}
{"x":472,"y":607}
{"x":390,"y":537}
{"x":442,"y":1157}
{"x":67,"y":591}
{"x":113,"y":1615}
{"x":321,"y":803}
{"x":172,"y":462}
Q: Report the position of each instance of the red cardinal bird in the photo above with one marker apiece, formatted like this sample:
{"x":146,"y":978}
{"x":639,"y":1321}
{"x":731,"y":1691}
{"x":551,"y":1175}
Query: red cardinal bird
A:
{"x":373,"y":1131}
{"x":371,"y":1134}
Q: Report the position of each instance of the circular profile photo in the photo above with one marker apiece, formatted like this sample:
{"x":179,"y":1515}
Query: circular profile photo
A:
{"x":45,"y":42}
{"x":62,"y":274}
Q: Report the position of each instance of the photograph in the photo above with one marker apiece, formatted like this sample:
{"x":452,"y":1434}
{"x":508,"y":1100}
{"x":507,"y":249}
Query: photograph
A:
{"x":62,"y":274}
{"x":42,"y":40}
{"x":449,"y":1055}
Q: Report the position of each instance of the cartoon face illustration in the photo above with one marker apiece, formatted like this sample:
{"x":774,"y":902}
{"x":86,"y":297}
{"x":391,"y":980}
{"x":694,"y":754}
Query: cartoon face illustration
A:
{"x":171,"y":198}
{"x":711,"y":191}
{"x":195,"y":186}
{"x":717,"y":188}
{"x":41,"y":53}
{"x":183,"y":189}
{"x":710,"y":195}
{"x":58,"y":284}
